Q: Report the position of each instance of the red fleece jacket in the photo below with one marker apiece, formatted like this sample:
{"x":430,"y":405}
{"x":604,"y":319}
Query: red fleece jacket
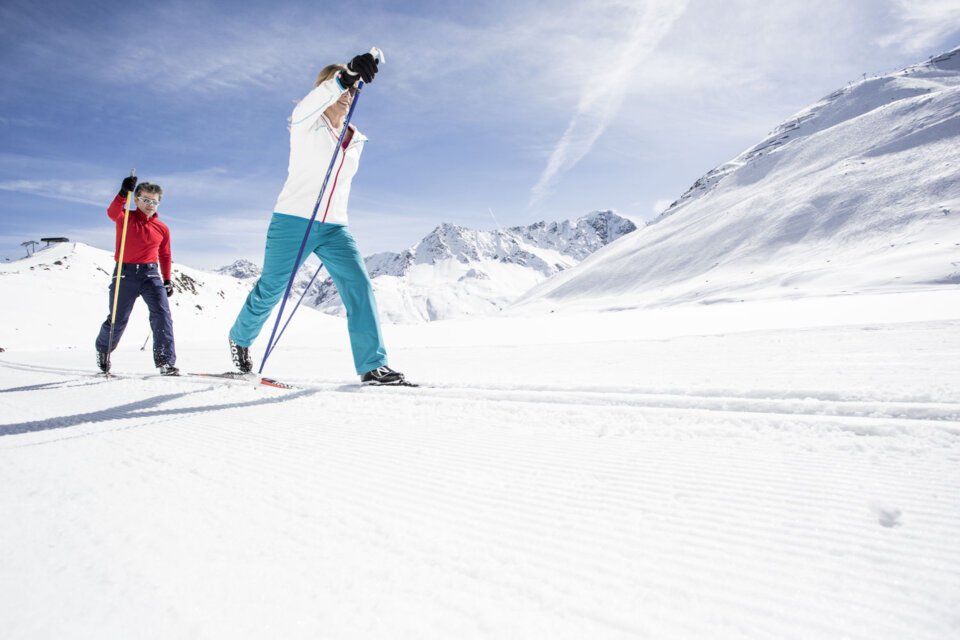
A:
{"x":148,"y":239}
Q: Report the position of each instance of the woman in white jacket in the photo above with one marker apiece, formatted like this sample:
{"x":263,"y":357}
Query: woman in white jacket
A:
{"x":315,"y":128}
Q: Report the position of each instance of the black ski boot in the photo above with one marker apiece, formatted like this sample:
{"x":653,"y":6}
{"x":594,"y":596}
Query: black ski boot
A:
{"x":103,"y":362}
{"x":166,"y":369}
{"x":383,"y":375}
{"x":241,"y":357}
{"x":169,"y":370}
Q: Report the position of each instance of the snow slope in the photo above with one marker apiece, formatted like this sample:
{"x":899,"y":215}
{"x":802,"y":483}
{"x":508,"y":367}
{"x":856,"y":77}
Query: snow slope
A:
{"x":857,"y":193}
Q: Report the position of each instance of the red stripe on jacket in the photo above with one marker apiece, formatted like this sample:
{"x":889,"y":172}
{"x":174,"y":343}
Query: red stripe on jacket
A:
{"x":346,"y":143}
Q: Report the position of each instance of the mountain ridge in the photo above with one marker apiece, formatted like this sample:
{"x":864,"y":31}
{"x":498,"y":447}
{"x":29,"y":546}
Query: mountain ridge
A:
{"x":455,"y":270}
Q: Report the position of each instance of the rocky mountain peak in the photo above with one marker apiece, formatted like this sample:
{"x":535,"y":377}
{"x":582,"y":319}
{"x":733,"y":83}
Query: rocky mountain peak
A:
{"x":241,"y":269}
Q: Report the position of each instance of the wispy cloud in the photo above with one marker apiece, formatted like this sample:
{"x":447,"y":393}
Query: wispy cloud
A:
{"x":213,"y":187}
{"x":66,"y":190}
{"x":85,"y":186}
{"x":192,"y":49}
{"x":223,"y":55}
{"x":922,"y":24}
{"x":601,"y":101}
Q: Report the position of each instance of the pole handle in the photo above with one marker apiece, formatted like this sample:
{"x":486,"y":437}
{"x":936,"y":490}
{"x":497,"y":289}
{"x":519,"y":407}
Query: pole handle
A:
{"x":377,"y":54}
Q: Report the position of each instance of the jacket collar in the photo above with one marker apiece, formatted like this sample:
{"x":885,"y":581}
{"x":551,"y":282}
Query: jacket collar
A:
{"x":357,"y":136}
{"x":144,"y":216}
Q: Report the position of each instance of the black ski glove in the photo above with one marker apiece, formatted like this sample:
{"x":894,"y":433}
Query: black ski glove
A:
{"x":128,"y":185}
{"x":168,"y":285}
{"x":363,"y":66}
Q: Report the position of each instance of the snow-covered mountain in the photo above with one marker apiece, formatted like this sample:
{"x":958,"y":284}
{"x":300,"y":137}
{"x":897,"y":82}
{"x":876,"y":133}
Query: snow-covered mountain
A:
{"x":242,"y":270}
{"x":455,"y":271}
{"x":857,"y":193}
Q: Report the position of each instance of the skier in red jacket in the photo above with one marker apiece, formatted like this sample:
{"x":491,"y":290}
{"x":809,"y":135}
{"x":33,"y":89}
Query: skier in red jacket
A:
{"x":146,"y":256}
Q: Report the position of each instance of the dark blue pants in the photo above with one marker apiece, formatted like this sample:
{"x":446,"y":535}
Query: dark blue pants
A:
{"x":141,"y":280}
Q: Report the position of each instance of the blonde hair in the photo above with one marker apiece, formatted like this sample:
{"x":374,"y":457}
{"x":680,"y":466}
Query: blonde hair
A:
{"x":329,"y":71}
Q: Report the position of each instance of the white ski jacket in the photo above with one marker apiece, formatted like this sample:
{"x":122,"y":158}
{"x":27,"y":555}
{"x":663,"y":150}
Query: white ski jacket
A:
{"x":312,"y":141}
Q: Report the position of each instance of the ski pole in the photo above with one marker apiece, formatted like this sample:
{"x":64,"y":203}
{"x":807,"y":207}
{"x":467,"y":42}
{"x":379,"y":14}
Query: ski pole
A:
{"x":116,"y":286}
{"x":378,"y":54}
{"x":145,"y":340}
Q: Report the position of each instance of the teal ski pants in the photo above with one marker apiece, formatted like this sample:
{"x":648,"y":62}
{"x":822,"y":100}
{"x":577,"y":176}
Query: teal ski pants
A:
{"x":334,"y":245}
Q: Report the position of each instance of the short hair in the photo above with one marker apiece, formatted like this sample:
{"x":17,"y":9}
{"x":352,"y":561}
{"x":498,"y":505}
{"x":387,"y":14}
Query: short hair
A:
{"x":328,"y":72}
{"x":149,"y":187}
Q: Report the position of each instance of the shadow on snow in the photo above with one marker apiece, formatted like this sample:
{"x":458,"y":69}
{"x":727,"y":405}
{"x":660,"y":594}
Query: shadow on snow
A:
{"x":62,"y":384}
{"x":146,"y":408}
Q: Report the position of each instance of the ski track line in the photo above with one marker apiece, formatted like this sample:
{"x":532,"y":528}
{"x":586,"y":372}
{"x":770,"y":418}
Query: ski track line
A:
{"x":858,"y":421}
{"x":803,"y":404}
{"x":772,"y":403}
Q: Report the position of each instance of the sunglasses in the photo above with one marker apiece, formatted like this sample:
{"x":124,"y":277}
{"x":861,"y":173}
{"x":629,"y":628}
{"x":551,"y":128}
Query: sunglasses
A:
{"x":144,"y":200}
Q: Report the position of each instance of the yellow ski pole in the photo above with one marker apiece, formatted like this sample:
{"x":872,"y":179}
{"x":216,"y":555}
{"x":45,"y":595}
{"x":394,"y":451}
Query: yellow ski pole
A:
{"x":116,"y":286}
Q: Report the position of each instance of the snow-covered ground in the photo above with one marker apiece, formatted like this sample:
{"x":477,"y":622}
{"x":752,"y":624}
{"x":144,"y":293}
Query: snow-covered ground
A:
{"x":766,"y":470}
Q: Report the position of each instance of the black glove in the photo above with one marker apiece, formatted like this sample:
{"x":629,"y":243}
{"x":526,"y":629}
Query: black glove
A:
{"x":168,"y":285}
{"x":364,"y":66}
{"x":128,"y":185}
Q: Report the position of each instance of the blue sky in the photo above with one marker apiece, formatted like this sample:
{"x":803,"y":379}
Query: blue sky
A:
{"x":485,"y":113}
